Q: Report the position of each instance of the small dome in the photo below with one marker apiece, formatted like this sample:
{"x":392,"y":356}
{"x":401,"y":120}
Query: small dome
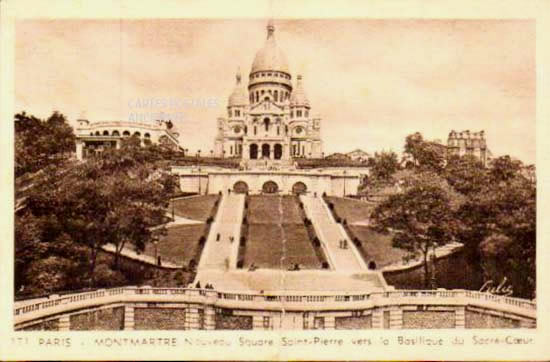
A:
{"x":239,"y":97}
{"x":270,"y":57}
{"x":298,"y":96}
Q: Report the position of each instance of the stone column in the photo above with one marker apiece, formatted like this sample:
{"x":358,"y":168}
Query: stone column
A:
{"x":209,"y":318}
{"x":396,"y":318}
{"x":64,"y":323}
{"x":79,"y":149}
{"x":330,"y":322}
{"x":192,"y":318}
{"x":257,"y":322}
{"x":129,"y":318}
{"x":460,"y":317}
{"x":377,"y":318}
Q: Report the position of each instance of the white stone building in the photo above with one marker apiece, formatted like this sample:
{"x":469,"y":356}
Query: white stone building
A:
{"x":94,"y":137}
{"x":269,"y":119}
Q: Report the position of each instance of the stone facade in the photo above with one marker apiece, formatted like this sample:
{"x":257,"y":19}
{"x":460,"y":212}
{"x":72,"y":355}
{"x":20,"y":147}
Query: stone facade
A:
{"x":271,"y":118}
{"x":159,"y":318}
{"x":102,"y":319}
{"x":94,"y":137}
{"x":468,"y":143}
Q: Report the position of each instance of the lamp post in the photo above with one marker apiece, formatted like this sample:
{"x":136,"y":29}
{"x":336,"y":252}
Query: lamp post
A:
{"x":344,"y":183}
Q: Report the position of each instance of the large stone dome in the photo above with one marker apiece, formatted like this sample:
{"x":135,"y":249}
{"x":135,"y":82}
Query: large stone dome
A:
{"x":270,"y":57}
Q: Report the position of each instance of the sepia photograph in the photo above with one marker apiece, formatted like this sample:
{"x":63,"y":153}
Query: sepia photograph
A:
{"x":274,"y":173}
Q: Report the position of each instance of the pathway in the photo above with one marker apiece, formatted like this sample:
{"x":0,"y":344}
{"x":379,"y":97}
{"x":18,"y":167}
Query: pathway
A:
{"x":222,"y":254}
{"x":330,"y":234}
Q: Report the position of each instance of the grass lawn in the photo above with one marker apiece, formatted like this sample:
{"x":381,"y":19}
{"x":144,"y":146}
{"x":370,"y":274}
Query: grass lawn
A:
{"x":265,"y":245}
{"x":351,"y":210}
{"x":196,"y":207}
{"x":377,"y":246}
{"x":179,"y":245}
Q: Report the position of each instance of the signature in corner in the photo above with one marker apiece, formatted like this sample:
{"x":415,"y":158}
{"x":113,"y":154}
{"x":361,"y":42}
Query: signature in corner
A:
{"x":500,"y":289}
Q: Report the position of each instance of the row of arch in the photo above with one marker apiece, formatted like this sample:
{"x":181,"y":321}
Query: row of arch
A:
{"x":269,"y":187}
{"x":254,"y":151}
{"x":117,"y":134}
{"x":276,"y":95}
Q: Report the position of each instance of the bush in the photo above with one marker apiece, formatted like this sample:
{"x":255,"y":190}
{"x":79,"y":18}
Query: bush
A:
{"x":105,"y":277}
{"x":325,"y":265}
{"x":240,"y":264}
{"x":244,"y":220}
{"x":331,"y":206}
{"x":324,"y":194}
{"x":372,"y":265}
{"x":243,"y":241}
{"x":345,"y":222}
{"x":209,"y":220}
{"x":338,"y":220}
{"x":202,"y":240}
{"x":316,"y":242}
{"x":356,"y":241}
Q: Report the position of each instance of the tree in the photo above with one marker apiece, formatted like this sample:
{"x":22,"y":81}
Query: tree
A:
{"x":40,"y":143}
{"x":504,"y":169}
{"x":421,"y":219}
{"x":466,"y":174}
{"x":426,"y":156}
{"x":383,"y":166}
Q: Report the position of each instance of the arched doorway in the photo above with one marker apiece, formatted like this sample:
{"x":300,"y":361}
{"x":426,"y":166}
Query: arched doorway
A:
{"x":240,"y":187}
{"x":253,"y":151}
{"x":265,"y":150}
{"x":270,"y":187}
{"x":299,"y":188}
{"x":278,"y":151}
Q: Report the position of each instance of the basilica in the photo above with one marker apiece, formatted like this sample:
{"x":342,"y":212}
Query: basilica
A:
{"x":269,"y":119}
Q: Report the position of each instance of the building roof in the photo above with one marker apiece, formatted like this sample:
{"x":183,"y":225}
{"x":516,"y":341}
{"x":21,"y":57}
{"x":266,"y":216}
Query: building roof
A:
{"x":270,"y":57}
{"x":298,"y":96}
{"x":239,"y":97}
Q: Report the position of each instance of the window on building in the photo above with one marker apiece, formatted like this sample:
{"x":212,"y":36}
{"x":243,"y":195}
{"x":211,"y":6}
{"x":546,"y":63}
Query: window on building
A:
{"x":276,"y":96}
{"x":255,"y":130}
{"x":307,"y":113}
{"x":293,"y":150}
{"x":299,"y":113}
{"x":237,"y":113}
{"x":266,"y":124}
{"x":266,"y":322}
{"x":263,"y":91}
{"x":303,"y":150}
{"x":291,"y":114}
{"x":229,"y":112}
{"x":230,"y":150}
{"x":277,"y":130}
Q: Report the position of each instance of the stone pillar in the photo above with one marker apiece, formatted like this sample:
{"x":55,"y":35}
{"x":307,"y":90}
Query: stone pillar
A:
{"x":128,"y":318}
{"x":460,"y":317}
{"x":377,"y":318}
{"x":64,"y":323}
{"x":79,"y":150}
{"x":330,"y":322}
{"x":118,"y":142}
{"x":396,"y":318}
{"x":257,"y":322}
{"x":192,"y":318}
{"x":209,"y":318}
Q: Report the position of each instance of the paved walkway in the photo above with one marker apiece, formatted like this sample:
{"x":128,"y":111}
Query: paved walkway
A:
{"x":222,"y":254}
{"x":330,"y":234}
{"x":439,"y":253}
{"x":271,"y":280}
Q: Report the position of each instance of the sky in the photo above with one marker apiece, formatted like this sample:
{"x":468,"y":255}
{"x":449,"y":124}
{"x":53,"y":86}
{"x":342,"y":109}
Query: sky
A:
{"x":371,"y":81}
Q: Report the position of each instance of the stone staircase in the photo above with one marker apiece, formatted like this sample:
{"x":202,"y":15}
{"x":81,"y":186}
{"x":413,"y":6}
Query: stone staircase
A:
{"x":330,"y":233}
{"x":221,"y":253}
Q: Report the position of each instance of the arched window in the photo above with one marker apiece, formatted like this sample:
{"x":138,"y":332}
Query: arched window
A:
{"x":105,"y":133}
{"x":97,"y":133}
{"x":137,"y":134}
{"x":266,"y":123}
{"x":276,"y":96}
{"x":116,"y":134}
{"x":147,"y":135}
{"x":230,"y":150}
{"x":126,"y":133}
{"x":278,"y":130}
{"x":245,"y":129}
{"x":255,"y":130}
{"x":286,"y":129}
